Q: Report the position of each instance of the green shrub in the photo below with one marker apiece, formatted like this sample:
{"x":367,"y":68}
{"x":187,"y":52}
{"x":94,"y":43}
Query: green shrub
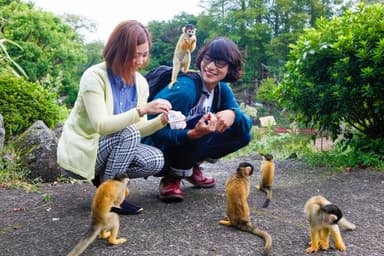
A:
{"x":280,"y":146}
{"x":335,"y":73}
{"x":23,"y":102}
{"x":265,"y":92}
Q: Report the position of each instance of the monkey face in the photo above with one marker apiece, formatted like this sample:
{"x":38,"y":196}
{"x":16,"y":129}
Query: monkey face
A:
{"x":191,"y":33}
{"x":267,"y":157}
{"x":189,"y":30}
{"x":245,"y":166}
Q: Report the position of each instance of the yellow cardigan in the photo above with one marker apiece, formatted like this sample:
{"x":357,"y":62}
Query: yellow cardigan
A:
{"x":92,"y":116}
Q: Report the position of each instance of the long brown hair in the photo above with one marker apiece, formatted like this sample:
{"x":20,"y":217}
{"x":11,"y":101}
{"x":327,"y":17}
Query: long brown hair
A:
{"x":120,"y":48}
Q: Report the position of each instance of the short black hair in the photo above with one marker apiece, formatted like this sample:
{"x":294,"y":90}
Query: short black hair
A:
{"x":225,"y":49}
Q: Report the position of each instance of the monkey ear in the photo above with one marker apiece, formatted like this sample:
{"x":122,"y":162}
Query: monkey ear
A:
{"x":333,"y":218}
{"x":250,"y":170}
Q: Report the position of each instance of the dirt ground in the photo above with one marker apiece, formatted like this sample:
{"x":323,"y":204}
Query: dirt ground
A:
{"x":52,"y":221}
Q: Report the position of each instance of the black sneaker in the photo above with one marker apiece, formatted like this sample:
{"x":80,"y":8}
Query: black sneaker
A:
{"x":127,"y":209}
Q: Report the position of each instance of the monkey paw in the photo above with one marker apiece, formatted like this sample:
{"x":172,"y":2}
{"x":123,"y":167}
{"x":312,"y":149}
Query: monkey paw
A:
{"x":324,"y":246}
{"x":104,"y":234}
{"x":117,"y":241}
{"x":225,"y":222}
{"x":340,"y":246}
{"x":171,"y":84}
{"x":311,"y":249}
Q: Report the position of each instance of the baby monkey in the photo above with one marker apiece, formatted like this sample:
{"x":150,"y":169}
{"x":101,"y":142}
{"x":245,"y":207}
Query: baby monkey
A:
{"x":238,"y":213}
{"x":182,"y":54}
{"x":324,"y":218}
{"x":267,"y":169}
{"x":104,"y":222}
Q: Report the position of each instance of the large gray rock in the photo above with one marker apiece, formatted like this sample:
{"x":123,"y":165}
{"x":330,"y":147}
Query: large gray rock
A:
{"x":2,"y":134}
{"x":37,"y":148}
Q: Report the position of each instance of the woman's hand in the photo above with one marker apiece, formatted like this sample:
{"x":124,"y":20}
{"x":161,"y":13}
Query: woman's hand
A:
{"x":225,"y":119}
{"x":156,"y":107}
{"x":206,"y":125}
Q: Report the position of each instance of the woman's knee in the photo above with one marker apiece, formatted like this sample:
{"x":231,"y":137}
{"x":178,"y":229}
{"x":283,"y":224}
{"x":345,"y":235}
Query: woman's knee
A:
{"x":131,"y":133}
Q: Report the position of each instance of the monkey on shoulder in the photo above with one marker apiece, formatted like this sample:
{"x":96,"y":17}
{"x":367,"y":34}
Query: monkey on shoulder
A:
{"x":182,"y":54}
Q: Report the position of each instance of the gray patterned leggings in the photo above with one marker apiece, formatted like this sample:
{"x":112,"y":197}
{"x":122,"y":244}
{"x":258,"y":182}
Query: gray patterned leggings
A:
{"x":122,"y":152}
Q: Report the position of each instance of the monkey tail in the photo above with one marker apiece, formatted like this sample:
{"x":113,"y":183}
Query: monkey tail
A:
{"x":90,"y":236}
{"x":345,"y":224}
{"x":260,"y":233}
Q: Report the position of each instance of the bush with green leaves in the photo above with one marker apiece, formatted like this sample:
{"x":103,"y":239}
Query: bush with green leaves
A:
{"x":265,"y":91}
{"x":23,"y":102}
{"x":335,"y":73}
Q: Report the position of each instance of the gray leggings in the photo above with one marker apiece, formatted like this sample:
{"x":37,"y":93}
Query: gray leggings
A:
{"x":122,"y":152}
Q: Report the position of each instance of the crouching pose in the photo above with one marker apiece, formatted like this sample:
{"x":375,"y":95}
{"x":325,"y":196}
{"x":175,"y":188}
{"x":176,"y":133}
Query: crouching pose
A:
{"x":215,"y":124}
{"x":102,"y":136}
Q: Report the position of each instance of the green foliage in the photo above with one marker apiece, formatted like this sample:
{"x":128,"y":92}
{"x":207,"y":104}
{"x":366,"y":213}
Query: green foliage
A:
{"x":342,"y":155}
{"x":267,"y":95}
{"x":336,"y":73}
{"x":265,"y":92}
{"x":49,"y":46}
{"x":6,"y":61}
{"x":280,"y":145}
{"x":165,"y":35}
{"x":22,"y":103}
{"x":94,"y":51}
{"x":12,"y":173}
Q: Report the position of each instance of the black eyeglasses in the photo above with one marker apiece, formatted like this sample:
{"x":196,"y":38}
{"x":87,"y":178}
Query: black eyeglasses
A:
{"x":218,"y":63}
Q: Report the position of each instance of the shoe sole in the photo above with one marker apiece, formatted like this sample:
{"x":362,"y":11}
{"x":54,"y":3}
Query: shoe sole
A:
{"x":202,"y":186}
{"x":122,"y":212}
{"x":171,"y":198}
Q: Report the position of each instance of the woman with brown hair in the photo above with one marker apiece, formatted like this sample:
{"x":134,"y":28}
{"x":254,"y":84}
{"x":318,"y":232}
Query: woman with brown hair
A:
{"x":102,"y":135}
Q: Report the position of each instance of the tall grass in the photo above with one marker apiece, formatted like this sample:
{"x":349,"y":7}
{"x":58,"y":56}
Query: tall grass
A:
{"x":281,"y":146}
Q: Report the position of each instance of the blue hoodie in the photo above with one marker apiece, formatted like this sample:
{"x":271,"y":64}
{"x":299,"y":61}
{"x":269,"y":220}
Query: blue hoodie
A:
{"x":183,"y":96}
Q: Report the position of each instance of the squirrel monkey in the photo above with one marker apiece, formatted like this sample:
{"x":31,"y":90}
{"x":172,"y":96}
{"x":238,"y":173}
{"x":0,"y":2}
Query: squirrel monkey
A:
{"x":238,"y":213}
{"x":324,"y":218}
{"x":182,"y":54}
{"x":104,"y":222}
{"x":267,"y":169}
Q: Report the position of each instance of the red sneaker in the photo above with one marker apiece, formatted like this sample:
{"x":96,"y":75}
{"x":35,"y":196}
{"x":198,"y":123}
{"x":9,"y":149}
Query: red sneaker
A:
{"x":199,"y":181}
{"x":169,"y":190}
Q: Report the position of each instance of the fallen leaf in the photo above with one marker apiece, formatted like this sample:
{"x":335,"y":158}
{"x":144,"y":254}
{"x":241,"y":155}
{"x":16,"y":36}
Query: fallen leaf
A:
{"x":19,"y":209}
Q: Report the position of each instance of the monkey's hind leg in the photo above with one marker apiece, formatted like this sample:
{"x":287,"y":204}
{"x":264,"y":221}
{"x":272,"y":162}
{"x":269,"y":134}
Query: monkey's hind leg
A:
{"x":175,"y":71}
{"x":268,"y":199}
{"x":324,"y":238}
{"x":104,"y":234}
{"x":335,"y":232}
{"x":268,"y":193}
{"x":114,"y":221}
